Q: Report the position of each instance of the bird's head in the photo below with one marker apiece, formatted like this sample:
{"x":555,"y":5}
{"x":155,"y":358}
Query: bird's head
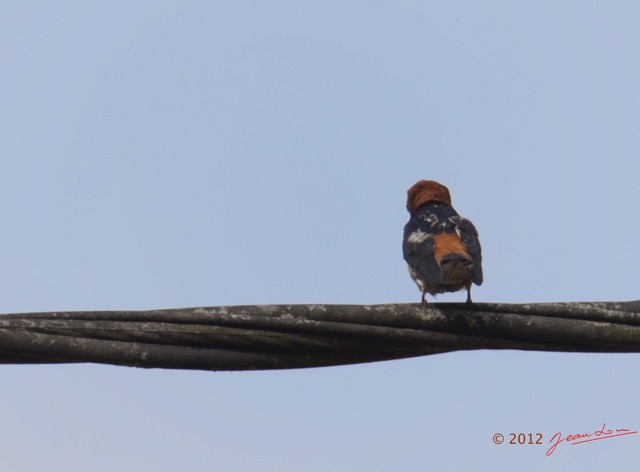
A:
{"x":426,"y":191}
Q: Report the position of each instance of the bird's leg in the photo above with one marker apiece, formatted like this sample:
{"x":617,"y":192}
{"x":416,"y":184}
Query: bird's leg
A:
{"x":469,"y":294}
{"x":424,"y":300}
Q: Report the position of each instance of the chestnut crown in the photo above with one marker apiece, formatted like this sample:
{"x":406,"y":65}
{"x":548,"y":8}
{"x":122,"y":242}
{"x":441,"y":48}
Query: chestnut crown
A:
{"x":426,"y":191}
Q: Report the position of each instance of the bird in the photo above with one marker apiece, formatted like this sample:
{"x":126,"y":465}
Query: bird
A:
{"x":441,"y":248}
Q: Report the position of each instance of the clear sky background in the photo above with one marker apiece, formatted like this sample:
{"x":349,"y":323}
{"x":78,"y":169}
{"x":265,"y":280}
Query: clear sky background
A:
{"x":161,"y":154}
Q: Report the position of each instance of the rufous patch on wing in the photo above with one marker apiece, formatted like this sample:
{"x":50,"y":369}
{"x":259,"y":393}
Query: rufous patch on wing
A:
{"x":448,"y":243}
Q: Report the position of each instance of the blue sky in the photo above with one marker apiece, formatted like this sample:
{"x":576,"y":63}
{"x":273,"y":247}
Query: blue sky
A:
{"x":173,"y":154}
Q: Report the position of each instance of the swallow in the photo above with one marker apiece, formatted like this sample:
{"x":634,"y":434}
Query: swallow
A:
{"x":441,"y":248}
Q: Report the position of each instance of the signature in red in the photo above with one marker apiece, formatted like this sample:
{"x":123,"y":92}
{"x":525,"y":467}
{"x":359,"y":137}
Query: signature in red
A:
{"x":575,"y":439}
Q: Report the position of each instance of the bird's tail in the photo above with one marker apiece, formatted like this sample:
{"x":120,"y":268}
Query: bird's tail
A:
{"x":456,"y":268}
{"x":453,"y":257}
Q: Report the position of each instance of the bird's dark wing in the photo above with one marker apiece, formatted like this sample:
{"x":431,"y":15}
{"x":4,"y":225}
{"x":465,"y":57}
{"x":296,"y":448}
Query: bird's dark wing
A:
{"x":469,"y":236}
{"x":418,"y":250}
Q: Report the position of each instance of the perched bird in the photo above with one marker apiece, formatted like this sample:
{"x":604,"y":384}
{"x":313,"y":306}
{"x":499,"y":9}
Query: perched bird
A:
{"x":441,"y":248}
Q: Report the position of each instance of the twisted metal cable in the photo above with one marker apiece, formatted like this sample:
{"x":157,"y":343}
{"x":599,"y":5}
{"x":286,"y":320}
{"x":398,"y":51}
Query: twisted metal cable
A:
{"x":296,"y":336}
